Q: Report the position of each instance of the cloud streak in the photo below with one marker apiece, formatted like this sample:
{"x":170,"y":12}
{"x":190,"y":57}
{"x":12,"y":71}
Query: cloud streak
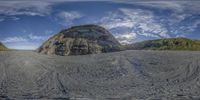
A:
{"x":31,"y":8}
{"x":14,"y":39}
{"x":67,"y":17}
{"x":138,"y":21}
{"x":179,"y":6}
{"x":28,"y":38}
{"x":36,"y":37}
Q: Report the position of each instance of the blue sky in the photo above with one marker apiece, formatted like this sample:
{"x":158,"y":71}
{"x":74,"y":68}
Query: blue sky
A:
{"x":27,"y":24}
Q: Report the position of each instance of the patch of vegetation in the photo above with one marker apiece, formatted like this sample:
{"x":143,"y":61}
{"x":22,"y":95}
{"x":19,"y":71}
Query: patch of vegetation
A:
{"x":2,"y":47}
{"x":167,"y":44}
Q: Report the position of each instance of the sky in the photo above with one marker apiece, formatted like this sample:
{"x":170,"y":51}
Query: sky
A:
{"x":26,"y":24}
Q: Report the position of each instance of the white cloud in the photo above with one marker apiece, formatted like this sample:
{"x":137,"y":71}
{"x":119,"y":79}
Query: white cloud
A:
{"x":29,"y":7}
{"x":35,"y":8}
{"x":140,"y":22}
{"x":126,"y":38}
{"x":194,"y":25}
{"x":28,"y":38}
{"x":37,"y":37}
{"x":144,"y":21}
{"x":32,"y":8}
{"x":181,"y":6}
{"x":28,"y":42}
{"x":14,"y":39}
{"x":177,"y":13}
{"x":175,"y":18}
{"x":162,"y":5}
{"x":11,"y":9}
{"x":68,"y":17}
{"x":180,"y":10}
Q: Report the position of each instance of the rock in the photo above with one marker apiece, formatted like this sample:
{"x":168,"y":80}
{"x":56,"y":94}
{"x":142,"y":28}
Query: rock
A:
{"x":81,"y":40}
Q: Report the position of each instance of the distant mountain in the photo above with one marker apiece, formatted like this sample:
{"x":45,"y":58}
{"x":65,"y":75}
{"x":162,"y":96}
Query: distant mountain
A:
{"x":167,"y":44}
{"x":81,"y":40}
{"x":2,"y":47}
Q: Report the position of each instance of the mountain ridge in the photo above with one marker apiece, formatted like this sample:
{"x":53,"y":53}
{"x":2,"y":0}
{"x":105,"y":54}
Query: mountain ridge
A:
{"x":167,"y":44}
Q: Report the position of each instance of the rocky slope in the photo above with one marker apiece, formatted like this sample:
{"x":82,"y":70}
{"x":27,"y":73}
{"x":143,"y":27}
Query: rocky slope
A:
{"x":81,"y":40}
{"x":167,"y":44}
{"x":2,"y":47}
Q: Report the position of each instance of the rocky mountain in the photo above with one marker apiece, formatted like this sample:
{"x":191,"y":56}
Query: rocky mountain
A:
{"x":167,"y":44}
{"x":2,"y":47}
{"x":81,"y":40}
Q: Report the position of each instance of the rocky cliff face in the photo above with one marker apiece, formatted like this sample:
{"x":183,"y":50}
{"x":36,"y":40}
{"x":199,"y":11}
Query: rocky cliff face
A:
{"x":81,"y":40}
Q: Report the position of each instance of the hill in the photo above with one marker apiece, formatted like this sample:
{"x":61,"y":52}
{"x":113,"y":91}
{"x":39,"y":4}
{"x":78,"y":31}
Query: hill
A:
{"x":81,"y":40}
{"x":2,"y":47}
{"x":167,"y":44}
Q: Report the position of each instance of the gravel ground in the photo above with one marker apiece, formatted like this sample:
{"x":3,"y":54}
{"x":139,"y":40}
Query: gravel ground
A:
{"x":126,"y":75}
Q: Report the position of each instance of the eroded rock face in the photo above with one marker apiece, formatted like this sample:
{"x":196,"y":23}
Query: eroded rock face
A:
{"x":81,"y":40}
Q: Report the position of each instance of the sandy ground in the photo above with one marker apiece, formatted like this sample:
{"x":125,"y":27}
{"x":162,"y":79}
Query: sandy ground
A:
{"x":126,"y":75}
